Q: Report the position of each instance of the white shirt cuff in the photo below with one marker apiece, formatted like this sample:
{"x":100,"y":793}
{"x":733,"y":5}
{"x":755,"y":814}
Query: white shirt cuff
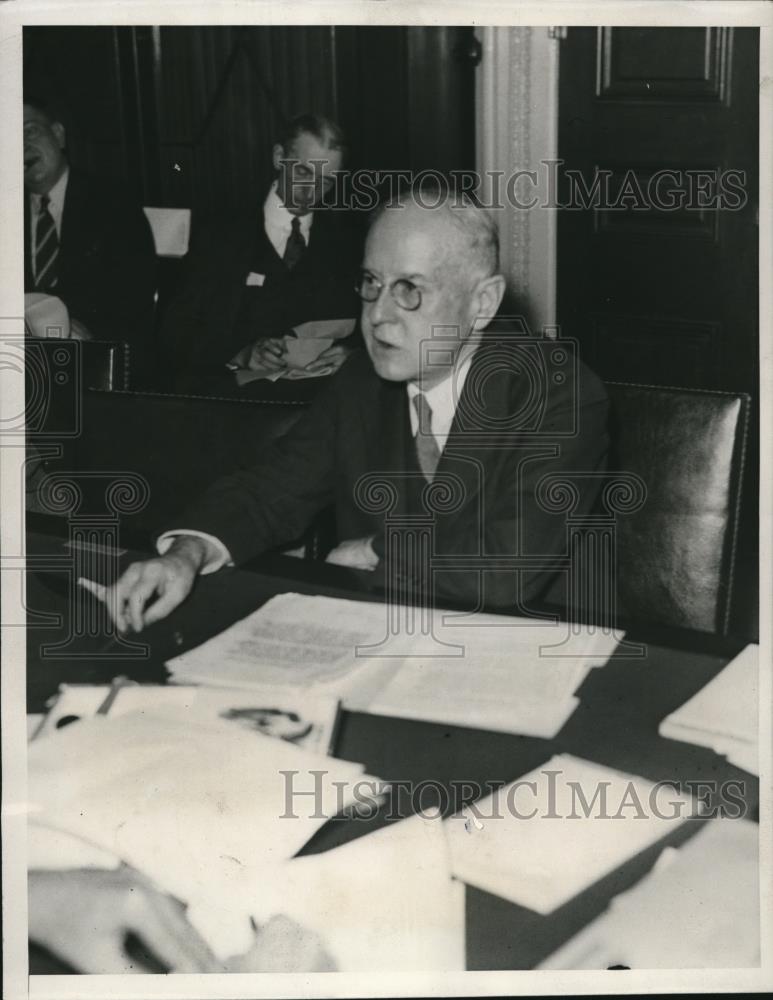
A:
{"x":222,"y":556}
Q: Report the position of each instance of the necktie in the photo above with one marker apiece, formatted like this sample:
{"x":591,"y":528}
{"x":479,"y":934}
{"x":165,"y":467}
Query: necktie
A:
{"x":295,"y":246}
{"x":427,"y":450}
{"x":46,"y":249}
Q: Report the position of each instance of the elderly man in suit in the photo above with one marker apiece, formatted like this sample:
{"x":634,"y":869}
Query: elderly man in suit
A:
{"x":281,"y":263}
{"x":86,"y":243}
{"x":434,"y":400}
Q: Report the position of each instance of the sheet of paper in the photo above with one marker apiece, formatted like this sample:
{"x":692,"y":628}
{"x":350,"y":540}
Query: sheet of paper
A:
{"x":74,"y":701}
{"x":308,"y":721}
{"x":543,"y":839}
{"x":384,"y":901}
{"x":509,"y":678}
{"x":699,"y":910}
{"x":56,"y":850}
{"x":484,"y":671}
{"x":325,"y":329}
{"x":171,"y":228}
{"x":309,"y":341}
{"x":34,"y":722}
{"x":301,"y":351}
{"x":723,"y":715}
{"x":203,"y":810}
{"x":46,"y":316}
{"x":495,"y":692}
{"x":244,"y":376}
{"x":294,"y":643}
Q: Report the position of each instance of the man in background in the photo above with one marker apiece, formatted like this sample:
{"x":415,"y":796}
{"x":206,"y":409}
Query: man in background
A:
{"x":281,"y":263}
{"x":86,"y":243}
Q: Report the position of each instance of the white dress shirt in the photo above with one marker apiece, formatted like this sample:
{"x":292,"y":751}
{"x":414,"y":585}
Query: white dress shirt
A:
{"x":443,"y":399}
{"x":277,"y":221}
{"x":55,"y":207}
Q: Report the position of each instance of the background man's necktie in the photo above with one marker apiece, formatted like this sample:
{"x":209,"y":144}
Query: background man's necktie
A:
{"x":46,"y":249}
{"x":296,"y":244}
{"x":426,"y":446}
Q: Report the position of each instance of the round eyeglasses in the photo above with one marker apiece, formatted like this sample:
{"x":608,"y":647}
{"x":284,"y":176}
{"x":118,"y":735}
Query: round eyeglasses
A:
{"x":404,"y":292}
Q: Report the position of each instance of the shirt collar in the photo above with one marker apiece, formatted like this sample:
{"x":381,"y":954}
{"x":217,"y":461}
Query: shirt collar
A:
{"x":55,"y":195}
{"x":444,"y":397}
{"x":276,"y":215}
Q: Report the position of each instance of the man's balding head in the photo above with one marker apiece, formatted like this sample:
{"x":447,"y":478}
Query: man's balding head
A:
{"x":477,"y":249}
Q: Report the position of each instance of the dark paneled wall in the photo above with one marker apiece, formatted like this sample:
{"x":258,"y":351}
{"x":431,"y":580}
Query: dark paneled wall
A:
{"x":187,"y":115}
{"x":81,"y":73}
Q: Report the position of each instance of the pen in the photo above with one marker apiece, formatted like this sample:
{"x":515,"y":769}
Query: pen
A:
{"x":115,"y":687}
{"x":97,"y":589}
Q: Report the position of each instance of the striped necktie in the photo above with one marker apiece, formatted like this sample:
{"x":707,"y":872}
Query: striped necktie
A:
{"x":427,"y":450}
{"x":46,"y":249}
{"x":295,"y":245}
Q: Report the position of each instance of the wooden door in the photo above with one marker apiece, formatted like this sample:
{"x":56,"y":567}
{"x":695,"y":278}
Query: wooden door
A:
{"x":656,"y":293}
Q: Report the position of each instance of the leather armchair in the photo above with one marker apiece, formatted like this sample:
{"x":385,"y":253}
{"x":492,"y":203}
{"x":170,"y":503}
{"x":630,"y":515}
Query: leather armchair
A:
{"x":677,"y":553}
{"x":175,"y":446}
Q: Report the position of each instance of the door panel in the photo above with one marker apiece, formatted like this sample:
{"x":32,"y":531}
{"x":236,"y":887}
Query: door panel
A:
{"x":658,"y":275}
{"x":661,"y":287}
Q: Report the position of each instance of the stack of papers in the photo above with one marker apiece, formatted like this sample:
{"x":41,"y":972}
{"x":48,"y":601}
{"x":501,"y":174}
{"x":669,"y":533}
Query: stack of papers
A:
{"x":548,"y":836}
{"x":482,"y":671}
{"x":204,"y":810}
{"x":294,"y":644}
{"x":508,"y":679}
{"x":307,"y":721}
{"x":697,"y":909}
{"x":723,"y":715}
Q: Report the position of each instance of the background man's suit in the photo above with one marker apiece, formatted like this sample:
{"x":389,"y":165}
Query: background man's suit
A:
{"x":360,"y":425}
{"x":106,"y":262}
{"x":215,"y":313}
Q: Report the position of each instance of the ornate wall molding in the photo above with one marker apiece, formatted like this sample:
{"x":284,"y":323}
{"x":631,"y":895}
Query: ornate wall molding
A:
{"x":517,"y":130}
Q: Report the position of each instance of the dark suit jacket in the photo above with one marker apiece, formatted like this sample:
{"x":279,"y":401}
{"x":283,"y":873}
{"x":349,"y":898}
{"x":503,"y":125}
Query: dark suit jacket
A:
{"x":514,"y":423}
{"x":215,"y":314}
{"x":107,"y":263}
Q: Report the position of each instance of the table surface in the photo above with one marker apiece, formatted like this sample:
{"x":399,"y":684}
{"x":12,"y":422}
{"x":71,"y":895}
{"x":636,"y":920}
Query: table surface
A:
{"x":615,"y":724}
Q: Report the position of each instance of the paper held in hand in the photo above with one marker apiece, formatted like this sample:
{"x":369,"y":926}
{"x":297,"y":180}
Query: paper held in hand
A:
{"x":481,"y":671}
{"x":202,"y":808}
{"x":308,"y":341}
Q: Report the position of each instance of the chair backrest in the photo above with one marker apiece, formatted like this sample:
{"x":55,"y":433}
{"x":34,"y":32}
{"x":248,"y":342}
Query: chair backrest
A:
{"x":177,"y":444}
{"x":677,"y":553}
{"x":58,"y":370}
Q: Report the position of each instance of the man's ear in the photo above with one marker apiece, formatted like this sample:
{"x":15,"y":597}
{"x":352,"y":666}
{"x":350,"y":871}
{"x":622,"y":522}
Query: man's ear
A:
{"x":277,"y":155}
{"x":59,"y":134}
{"x":488,"y":296}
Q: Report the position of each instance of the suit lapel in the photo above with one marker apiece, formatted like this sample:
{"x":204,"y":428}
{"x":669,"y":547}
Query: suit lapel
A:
{"x":265,"y":255}
{"x":392,"y":437}
{"x":77,"y":229}
{"x":477,"y":415}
